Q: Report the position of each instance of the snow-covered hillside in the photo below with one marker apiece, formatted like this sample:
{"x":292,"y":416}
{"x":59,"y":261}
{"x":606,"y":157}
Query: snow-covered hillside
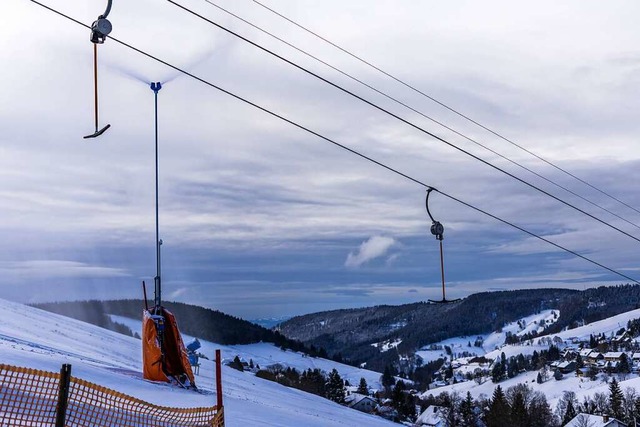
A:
{"x":266,"y":354}
{"x":488,"y":343}
{"x":552,"y":388}
{"x":37,"y":339}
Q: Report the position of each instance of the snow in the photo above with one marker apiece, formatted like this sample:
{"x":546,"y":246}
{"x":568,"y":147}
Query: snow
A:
{"x":551,"y":388}
{"x":493,"y":341}
{"x":266,"y":354}
{"x":37,"y":339}
{"x":387,"y":345}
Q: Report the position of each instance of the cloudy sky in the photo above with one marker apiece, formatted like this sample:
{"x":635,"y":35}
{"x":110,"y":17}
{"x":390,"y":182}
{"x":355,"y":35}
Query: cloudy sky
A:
{"x":260,"y":218}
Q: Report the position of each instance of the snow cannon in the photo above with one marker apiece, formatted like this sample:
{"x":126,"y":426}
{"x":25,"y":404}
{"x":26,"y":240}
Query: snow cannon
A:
{"x":193,"y":346}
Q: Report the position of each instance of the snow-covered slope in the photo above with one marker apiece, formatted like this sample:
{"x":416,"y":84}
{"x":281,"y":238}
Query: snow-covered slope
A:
{"x":552,"y":388}
{"x":266,"y":354}
{"x":489,"y":342}
{"x":37,"y":339}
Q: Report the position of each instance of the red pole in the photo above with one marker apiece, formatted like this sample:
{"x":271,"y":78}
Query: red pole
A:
{"x":95,"y":81}
{"x":442,"y":270}
{"x":219,"y":379}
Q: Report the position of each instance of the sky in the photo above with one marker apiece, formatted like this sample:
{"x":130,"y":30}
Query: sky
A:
{"x":262,"y":219}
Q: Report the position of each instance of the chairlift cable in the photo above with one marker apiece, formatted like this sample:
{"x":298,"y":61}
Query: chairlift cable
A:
{"x":407,"y":122}
{"x":442,"y":104}
{"x":344,"y":147}
{"x":415,"y":110}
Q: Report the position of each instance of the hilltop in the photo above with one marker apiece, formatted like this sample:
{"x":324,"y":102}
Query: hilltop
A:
{"x":359,"y":335}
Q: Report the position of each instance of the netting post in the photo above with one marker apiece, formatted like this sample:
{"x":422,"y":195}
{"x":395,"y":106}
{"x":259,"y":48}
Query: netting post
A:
{"x":63,"y":394}
{"x":219,"y":379}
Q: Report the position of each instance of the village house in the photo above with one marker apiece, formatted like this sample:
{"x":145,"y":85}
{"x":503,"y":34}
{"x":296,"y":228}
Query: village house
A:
{"x":567,"y":367}
{"x":594,"y":421}
{"x":585,"y":353}
{"x":433,"y":416}
{"x":613,"y":356}
{"x":361,"y":403}
{"x":594,"y":358}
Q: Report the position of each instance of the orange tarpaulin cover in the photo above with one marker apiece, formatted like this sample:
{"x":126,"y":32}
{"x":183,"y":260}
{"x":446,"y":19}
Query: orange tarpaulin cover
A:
{"x":176,"y":361}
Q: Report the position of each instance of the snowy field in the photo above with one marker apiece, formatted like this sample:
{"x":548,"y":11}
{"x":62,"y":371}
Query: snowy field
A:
{"x":37,"y":339}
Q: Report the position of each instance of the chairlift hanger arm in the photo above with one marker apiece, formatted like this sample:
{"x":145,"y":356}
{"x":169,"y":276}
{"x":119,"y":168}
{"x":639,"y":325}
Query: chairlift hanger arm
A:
{"x":437,"y":229}
{"x":429,"y":190}
{"x":107,"y":11}
{"x":101,"y":27}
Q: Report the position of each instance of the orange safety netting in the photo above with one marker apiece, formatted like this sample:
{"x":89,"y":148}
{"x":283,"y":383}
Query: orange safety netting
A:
{"x":29,"y":397}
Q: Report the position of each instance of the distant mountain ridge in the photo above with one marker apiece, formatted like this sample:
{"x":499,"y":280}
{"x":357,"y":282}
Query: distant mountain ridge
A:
{"x":270,"y":322}
{"x":349,"y":334}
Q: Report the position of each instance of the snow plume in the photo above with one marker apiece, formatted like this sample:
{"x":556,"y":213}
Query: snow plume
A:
{"x":375,"y":247}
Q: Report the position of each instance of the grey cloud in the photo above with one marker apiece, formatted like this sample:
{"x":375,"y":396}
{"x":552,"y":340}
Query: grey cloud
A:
{"x":257,"y":210}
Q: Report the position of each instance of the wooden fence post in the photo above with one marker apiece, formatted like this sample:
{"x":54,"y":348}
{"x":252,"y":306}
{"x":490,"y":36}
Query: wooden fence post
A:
{"x":63,"y":394}
{"x":219,"y":406}
{"x":219,"y":379}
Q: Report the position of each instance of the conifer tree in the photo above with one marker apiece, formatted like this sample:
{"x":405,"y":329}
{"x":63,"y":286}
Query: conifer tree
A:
{"x":616,"y":400}
{"x":579,"y":361}
{"x":624,"y":367}
{"x":387,"y":379}
{"x":237,"y":364}
{"x":540,"y":414}
{"x":335,"y":387}
{"x":363,"y":387}
{"x":499,"y":411}
{"x":496,"y":372}
{"x":397,"y":395}
{"x":519,"y":414}
{"x":569,"y":414}
{"x":467,"y":414}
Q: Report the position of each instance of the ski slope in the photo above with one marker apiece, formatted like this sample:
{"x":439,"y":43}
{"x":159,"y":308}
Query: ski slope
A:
{"x":37,"y":339}
{"x":267,"y":354}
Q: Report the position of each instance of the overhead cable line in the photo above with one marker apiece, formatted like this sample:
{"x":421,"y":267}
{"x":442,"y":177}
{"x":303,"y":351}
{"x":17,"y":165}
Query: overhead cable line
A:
{"x":420,"y":113}
{"x":344,"y":147}
{"x":405,"y":121}
{"x":442,"y":104}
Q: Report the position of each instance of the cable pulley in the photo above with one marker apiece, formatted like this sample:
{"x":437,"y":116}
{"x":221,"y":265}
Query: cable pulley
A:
{"x":437,"y":229}
{"x":100,"y":28}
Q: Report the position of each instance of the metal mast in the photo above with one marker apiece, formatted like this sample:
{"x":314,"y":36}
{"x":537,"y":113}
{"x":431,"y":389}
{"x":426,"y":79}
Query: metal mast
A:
{"x":155,"y":87}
